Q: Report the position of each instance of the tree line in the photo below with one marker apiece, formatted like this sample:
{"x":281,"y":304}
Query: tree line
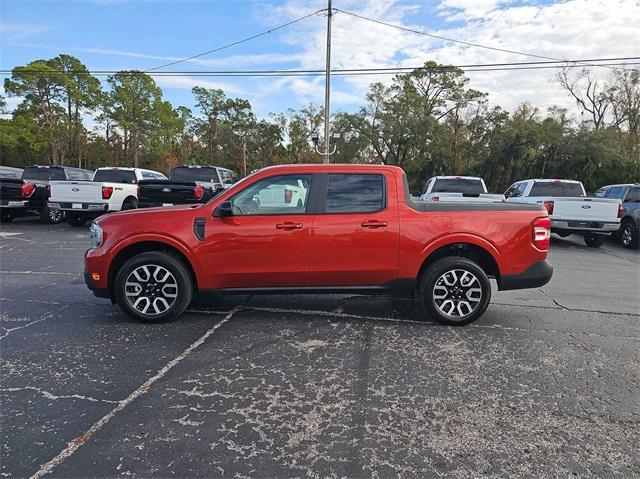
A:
{"x":429,"y":122}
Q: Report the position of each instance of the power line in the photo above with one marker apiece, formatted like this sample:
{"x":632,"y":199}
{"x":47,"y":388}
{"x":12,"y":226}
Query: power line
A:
{"x":453,"y":40}
{"x":237,"y":42}
{"x":534,"y":65}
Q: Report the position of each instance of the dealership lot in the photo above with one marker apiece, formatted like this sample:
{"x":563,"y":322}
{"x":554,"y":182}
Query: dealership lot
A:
{"x":546,"y":383}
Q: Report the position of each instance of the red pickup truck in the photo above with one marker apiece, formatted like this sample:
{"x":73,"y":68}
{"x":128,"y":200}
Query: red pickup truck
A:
{"x":319,"y":228}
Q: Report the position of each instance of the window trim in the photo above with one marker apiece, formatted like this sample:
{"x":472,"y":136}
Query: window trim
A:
{"x":324,"y":196}
{"x":298,"y":175}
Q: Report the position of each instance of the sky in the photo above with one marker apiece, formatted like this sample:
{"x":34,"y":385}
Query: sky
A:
{"x":143,"y":34}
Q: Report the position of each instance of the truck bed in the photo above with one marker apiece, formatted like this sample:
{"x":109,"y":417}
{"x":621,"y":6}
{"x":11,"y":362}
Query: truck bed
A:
{"x":167,"y":193}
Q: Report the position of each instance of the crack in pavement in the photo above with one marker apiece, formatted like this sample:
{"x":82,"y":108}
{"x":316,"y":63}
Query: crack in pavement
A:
{"x":50,"y":395}
{"x":579,"y":310}
{"x":79,"y":441}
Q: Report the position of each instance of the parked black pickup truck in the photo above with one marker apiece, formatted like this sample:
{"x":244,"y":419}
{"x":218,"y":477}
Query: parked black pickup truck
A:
{"x":29,"y":194}
{"x":186,"y":184}
{"x":10,"y":192}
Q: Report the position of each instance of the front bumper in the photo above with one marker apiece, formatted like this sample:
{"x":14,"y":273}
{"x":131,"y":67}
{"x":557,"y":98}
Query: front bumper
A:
{"x":585,"y":226}
{"x":97,"y":208}
{"x":97,"y":291}
{"x":536,"y":275}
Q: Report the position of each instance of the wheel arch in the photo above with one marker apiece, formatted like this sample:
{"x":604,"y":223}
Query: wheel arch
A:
{"x":147,"y":246}
{"x":476,"y":253}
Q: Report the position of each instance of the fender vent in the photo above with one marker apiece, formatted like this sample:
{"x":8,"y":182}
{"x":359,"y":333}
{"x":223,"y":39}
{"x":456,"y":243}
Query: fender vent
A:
{"x":198,"y":228}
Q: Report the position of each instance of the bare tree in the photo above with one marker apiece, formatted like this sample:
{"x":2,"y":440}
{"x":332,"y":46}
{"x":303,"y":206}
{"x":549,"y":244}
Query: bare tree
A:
{"x":587,"y":93}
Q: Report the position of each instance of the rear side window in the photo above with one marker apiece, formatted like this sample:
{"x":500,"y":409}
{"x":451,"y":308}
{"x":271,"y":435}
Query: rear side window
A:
{"x":616,"y":192}
{"x":76,"y":175}
{"x":11,"y":174}
{"x":458,"y":185}
{"x":183,"y":173}
{"x":44,"y":173}
{"x":548,"y":188}
{"x":350,"y":193}
{"x":115,"y":176}
{"x":228,"y":177}
{"x":633,"y":195}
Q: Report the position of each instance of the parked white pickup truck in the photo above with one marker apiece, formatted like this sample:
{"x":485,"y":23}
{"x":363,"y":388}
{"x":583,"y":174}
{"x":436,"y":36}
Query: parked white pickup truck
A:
{"x":570,"y":210}
{"x":112,"y":189}
{"x":457,"y":189}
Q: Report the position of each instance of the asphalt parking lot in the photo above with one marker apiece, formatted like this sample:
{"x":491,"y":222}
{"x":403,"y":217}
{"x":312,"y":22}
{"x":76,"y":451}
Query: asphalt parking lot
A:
{"x":546,"y":384}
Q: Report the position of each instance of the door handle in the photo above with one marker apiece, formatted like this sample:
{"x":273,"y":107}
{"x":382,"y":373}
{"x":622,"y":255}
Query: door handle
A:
{"x":374,"y":224}
{"x":289,"y":226}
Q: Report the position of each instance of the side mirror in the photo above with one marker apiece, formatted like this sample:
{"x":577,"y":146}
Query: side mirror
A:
{"x":225,"y":209}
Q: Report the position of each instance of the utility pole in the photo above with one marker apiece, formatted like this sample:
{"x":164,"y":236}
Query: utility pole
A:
{"x":327,"y":87}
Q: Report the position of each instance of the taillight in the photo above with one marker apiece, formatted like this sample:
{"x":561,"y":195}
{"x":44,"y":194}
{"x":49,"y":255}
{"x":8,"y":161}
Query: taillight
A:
{"x":27,"y":189}
{"x":542,"y":233}
{"x":288,"y":196}
{"x":198,"y":192}
{"x":107,"y":191}
{"x":620,"y":210}
{"x":549,"y":206}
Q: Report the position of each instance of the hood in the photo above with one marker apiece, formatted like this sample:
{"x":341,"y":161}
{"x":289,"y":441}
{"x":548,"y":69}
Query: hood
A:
{"x":143,"y":214}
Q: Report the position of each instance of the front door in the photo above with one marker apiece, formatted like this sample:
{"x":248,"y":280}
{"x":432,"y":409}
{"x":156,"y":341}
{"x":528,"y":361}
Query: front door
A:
{"x":355,"y":238}
{"x":266,"y":241}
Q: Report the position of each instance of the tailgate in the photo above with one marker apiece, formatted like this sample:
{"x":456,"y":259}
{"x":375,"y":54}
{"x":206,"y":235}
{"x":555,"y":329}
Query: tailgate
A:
{"x":166,"y":192}
{"x":75,"y":191}
{"x":10,"y":189}
{"x":591,"y":209}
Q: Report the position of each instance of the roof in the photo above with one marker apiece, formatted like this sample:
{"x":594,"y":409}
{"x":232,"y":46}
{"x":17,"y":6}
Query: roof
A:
{"x":323,"y":167}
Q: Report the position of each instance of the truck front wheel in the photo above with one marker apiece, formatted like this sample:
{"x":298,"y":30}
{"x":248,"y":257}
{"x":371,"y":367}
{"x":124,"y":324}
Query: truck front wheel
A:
{"x":454,"y":291}
{"x":153,"y":287}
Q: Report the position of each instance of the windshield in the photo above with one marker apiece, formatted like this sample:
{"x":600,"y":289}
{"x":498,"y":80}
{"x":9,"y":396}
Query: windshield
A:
{"x":183,"y":173}
{"x":458,"y":185}
{"x":44,"y":173}
{"x":115,"y":176}
{"x":559,"y":188}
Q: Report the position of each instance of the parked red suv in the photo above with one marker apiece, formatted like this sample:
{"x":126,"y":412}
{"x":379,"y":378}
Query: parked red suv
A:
{"x":319,"y":228}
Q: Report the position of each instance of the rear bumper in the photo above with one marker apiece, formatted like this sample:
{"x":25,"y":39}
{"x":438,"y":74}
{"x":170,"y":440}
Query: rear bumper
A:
{"x":89,"y":208}
{"x":536,"y":275}
{"x":586,"y":226}
{"x":14,"y":204}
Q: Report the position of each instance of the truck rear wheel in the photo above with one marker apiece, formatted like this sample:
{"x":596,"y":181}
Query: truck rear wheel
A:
{"x":50,"y":216}
{"x":454,"y":291}
{"x":76,"y":219}
{"x":6,"y":216}
{"x":629,"y":235}
{"x":153,"y":287}
{"x":594,"y":240}
{"x":130,"y":204}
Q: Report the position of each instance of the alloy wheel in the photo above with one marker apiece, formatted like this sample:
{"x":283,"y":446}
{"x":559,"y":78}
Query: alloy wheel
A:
{"x":457,"y":293}
{"x":627,"y":235}
{"x":151,"y":289}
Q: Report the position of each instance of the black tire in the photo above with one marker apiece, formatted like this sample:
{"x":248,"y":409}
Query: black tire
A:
{"x":629,"y":235}
{"x":433,"y":283}
{"x":50,"y":216}
{"x":155,"y":263}
{"x":130,"y":204}
{"x":7,"y":216}
{"x":594,"y":240}
{"x":76,"y":219}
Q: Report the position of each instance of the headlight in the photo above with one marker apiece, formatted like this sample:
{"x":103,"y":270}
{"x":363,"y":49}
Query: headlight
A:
{"x":95,"y":233}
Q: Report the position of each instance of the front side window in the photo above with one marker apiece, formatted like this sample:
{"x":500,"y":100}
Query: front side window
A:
{"x":278,"y":195}
{"x":633,"y":196}
{"x":228,"y":177}
{"x":353,"y":193}
{"x":601,"y":193}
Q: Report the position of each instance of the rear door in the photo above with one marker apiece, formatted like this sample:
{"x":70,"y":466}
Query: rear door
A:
{"x":355,"y":237}
{"x":265,"y":243}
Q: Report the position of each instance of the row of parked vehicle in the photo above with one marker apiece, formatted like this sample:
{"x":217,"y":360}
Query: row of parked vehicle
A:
{"x":614,"y":209}
{"x":59,"y":193}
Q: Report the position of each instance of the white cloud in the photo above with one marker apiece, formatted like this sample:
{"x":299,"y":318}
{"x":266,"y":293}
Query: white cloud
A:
{"x":15,"y":31}
{"x":570,"y":29}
